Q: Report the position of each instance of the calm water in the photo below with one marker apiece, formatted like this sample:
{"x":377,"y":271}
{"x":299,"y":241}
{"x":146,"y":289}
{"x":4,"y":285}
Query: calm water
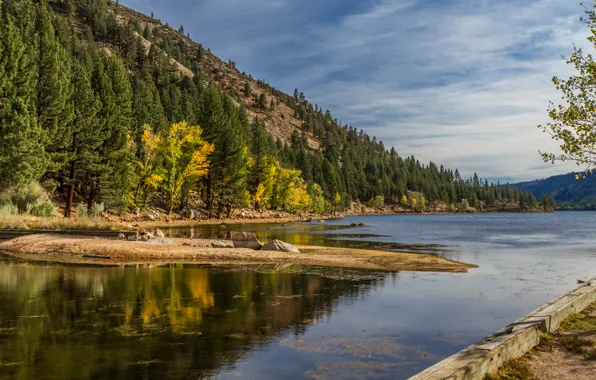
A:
{"x":190,"y":322}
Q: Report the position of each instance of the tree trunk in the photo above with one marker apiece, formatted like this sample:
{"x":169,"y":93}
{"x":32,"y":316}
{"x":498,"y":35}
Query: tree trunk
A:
{"x":68,"y":208}
{"x":91,"y":196}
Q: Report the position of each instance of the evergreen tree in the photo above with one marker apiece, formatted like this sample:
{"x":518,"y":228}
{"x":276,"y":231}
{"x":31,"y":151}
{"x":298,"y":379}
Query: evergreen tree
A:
{"x":85,"y":139}
{"x":118,"y":177}
{"x":230,"y":160}
{"x":147,"y":105}
{"x":54,"y":91}
{"x":22,"y":155}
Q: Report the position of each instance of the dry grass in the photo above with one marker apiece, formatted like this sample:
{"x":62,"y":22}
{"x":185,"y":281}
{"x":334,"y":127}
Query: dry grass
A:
{"x":575,"y":344}
{"x":28,"y":222}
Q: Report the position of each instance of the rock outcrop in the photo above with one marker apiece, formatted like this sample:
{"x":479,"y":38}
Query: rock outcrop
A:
{"x":279,"y":246}
{"x":245,"y":240}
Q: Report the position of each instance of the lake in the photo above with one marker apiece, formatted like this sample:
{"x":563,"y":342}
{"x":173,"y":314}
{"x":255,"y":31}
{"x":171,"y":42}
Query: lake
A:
{"x":190,"y":322}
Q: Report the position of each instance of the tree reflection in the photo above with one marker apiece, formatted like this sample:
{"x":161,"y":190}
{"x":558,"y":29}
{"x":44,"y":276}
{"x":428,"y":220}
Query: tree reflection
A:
{"x":164,"y":322}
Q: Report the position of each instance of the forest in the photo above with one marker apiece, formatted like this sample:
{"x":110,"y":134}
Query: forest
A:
{"x":106,"y":109}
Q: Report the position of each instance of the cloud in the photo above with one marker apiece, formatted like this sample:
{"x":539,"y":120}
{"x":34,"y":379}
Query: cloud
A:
{"x":463,"y":83}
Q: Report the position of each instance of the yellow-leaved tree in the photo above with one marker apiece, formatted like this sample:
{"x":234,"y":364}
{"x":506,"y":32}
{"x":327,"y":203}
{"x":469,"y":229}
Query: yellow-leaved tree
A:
{"x":282,"y":189}
{"x":296,"y":197}
{"x":147,"y":165}
{"x":184,"y":161}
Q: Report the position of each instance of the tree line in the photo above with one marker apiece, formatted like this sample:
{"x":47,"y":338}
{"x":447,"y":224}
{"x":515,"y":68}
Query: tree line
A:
{"x":95,"y":104}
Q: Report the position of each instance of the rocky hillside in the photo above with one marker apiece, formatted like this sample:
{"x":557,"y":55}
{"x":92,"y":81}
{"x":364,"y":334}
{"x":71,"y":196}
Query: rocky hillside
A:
{"x":281,"y":119}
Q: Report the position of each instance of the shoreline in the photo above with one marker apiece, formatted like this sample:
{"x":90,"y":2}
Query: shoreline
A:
{"x":26,"y":223}
{"x":64,"y":249}
{"x":132,"y":223}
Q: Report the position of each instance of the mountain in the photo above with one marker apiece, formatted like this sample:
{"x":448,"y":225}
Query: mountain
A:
{"x":570,"y":192}
{"x":108,"y":106}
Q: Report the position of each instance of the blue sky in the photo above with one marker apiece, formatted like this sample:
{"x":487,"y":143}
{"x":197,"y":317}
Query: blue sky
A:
{"x":463,"y":83}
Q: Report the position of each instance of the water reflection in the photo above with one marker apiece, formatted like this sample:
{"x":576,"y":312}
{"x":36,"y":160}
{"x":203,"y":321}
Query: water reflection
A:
{"x":163,"y":322}
{"x":334,"y":233}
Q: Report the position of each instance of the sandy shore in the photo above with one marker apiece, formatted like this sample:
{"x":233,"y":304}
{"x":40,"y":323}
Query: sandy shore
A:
{"x":70,"y":249}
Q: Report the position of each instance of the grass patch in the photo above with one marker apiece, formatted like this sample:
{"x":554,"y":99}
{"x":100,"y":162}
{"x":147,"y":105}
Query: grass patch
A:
{"x":581,"y":321}
{"x":575,"y":344}
{"x":547,"y":343}
{"x":591,"y":354}
{"x":513,"y":370}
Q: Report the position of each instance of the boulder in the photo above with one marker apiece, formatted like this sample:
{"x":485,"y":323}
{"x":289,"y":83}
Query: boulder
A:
{"x":121,"y":236}
{"x":279,"y":246}
{"x":220,"y":244}
{"x":159,"y":233}
{"x":245,"y":240}
{"x":148,"y":217}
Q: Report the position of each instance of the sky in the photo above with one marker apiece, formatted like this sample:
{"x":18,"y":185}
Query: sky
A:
{"x":463,"y":83}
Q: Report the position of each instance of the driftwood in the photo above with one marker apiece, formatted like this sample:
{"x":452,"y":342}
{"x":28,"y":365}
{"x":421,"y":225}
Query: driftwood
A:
{"x":96,"y":256}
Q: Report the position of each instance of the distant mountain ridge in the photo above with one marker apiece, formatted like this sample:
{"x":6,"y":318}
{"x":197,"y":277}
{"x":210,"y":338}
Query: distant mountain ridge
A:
{"x":569,"y":192}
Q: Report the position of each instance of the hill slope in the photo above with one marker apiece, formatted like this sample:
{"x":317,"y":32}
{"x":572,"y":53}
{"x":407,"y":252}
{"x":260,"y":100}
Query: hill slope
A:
{"x":281,"y":120}
{"x":569,"y":192}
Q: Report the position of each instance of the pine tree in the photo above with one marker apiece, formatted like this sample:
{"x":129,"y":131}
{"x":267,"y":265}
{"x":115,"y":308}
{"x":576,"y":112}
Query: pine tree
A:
{"x":261,"y":151}
{"x":147,"y":33}
{"x":147,"y":105}
{"x":118,"y":158}
{"x":22,"y":155}
{"x":231,"y":162}
{"x":53,"y":92}
{"x":85,"y":139}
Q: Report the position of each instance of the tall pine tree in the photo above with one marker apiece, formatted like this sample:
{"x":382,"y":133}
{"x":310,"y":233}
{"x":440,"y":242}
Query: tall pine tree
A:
{"x":22,"y":155}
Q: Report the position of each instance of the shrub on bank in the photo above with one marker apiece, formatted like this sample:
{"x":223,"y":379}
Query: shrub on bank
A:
{"x":30,"y":199}
{"x":94,"y":212}
{"x":8,"y":209}
{"x":45,"y":209}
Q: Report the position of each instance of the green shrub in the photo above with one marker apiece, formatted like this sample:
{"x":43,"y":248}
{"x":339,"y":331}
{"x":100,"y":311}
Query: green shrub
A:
{"x":96,"y":210}
{"x":82,"y":211}
{"x":26,"y":197}
{"x":8,"y":209}
{"x":45,"y":209}
{"x":377,"y":202}
{"x":50,"y":186}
